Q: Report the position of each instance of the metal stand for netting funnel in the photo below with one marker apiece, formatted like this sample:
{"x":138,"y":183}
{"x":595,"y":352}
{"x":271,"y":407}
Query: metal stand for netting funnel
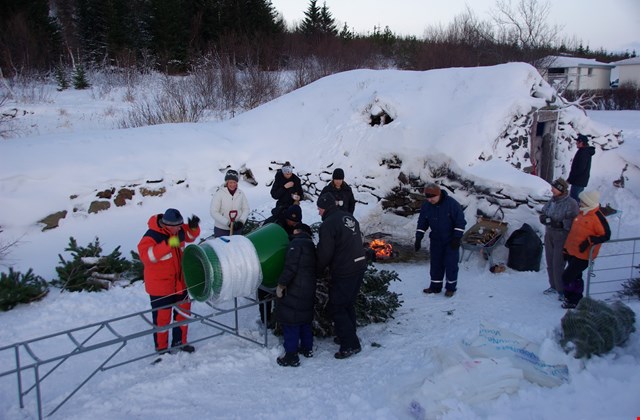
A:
{"x":41,"y":355}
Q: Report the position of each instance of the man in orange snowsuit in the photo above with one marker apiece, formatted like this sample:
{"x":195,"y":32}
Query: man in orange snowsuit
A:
{"x":160,"y":251}
{"x":589,"y":229}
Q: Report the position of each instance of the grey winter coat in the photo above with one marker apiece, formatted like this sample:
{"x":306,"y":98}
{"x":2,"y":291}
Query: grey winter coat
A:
{"x":559,"y":212}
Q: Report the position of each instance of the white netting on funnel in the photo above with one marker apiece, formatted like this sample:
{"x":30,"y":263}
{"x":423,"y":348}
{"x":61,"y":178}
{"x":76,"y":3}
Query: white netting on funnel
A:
{"x":240,"y":266}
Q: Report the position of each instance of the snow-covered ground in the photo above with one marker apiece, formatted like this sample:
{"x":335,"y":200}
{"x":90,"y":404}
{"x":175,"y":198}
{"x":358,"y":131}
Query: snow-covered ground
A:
{"x":414,"y":366}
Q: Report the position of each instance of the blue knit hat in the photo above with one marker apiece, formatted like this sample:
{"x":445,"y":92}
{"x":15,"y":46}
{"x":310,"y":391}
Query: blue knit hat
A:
{"x":172,"y":217}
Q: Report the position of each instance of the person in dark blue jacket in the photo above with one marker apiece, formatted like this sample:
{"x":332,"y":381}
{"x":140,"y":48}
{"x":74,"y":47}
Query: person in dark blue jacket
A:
{"x":341,"y":191}
{"x":340,"y":247}
{"x":296,"y":293}
{"x":286,"y":190}
{"x":445,"y":217}
{"x":580,"y":167}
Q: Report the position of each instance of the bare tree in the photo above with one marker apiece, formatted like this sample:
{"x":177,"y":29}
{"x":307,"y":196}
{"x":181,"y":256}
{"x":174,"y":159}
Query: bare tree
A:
{"x":6,"y":248}
{"x":526,"y":23}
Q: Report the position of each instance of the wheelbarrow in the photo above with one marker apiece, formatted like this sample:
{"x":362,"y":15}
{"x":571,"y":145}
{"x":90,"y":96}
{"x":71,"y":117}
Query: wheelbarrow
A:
{"x":483,"y":237}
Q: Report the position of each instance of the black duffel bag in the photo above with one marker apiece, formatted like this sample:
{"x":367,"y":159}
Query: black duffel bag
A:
{"x":525,"y":249}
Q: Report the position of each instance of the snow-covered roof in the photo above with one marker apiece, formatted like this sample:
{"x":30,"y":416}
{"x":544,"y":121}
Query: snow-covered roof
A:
{"x":628,"y":61}
{"x":559,"y":61}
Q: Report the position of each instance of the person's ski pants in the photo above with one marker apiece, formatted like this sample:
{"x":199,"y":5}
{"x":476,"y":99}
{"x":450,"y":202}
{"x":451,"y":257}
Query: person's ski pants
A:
{"x":162,"y":317}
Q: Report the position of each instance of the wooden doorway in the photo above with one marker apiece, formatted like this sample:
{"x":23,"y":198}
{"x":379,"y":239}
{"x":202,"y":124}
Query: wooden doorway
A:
{"x":543,"y":143}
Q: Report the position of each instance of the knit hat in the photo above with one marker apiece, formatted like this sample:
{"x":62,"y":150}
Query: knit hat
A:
{"x":287,"y":168}
{"x":589,"y":200}
{"x":305,"y":228}
{"x":231,"y":175}
{"x":326,"y":201}
{"x":561,"y":185}
{"x":431,"y":190}
{"x":293,"y":213}
{"x":582,"y":138}
{"x":338,"y":173}
{"x":172,"y":217}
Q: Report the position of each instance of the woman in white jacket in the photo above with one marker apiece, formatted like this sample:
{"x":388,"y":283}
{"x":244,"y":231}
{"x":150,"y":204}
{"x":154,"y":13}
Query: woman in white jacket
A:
{"x":229,"y":207}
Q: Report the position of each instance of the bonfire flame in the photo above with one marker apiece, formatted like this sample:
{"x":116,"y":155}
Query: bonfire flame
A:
{"x":382,"y":248}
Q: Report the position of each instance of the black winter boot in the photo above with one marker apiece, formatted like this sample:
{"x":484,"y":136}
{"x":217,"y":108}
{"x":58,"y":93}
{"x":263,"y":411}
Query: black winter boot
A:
{"x":430,"y":291}
{"x":343,"y":354}
{"x":305,"y":353}
{"x":289,"y":359}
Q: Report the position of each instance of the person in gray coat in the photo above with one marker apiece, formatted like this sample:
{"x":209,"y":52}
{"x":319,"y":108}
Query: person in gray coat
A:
{"x":557,"y":216}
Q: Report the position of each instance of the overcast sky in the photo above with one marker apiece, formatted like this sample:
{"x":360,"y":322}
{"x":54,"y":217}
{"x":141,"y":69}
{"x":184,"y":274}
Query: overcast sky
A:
{"x":611,"y":24}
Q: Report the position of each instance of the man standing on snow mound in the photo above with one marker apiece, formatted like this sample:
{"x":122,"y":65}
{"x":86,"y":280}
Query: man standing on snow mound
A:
{"x":445,"y":217}
{"x":580,"y":167}
{"x":341,"y":191}
{"x":589,"y":229}
{"x":340,"y":247}
{"x":286,"y":189}
{"x":160,"y":251}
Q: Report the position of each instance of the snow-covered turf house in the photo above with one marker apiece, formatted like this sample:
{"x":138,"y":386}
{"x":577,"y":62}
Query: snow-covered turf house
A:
{"x":480,"y":132}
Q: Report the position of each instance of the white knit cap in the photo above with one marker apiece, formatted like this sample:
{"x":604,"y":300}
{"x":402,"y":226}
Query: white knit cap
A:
{"x":590,"y":199}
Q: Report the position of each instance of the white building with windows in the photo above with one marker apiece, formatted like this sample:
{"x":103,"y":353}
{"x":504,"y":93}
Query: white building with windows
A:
{"x":628,"y":71}
{"x":574,"y":73}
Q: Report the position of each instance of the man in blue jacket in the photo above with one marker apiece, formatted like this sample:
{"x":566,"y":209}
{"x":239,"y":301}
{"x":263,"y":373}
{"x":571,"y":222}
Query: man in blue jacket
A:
{"x":445,"y":217}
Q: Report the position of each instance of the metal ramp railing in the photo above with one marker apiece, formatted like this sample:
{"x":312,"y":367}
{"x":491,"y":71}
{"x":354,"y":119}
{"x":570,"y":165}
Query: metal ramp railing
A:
{"x":45,"y":355}
{"x":618,"y":261}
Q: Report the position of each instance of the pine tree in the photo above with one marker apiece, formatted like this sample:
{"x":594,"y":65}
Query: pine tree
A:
{"x":346,"y":33}
{"x":250,"y":18}
{"x":16,"y":288}
{"x":88,"y":269}
{"x":61,"y":78}
{"x":169,"y":30}
{"x":327,"y":22}
{"x":80,"y":81}
{"x":29,"y":36}
{"x":311,"y":23}
{"x":91,"y":21}
{"x":631,"y":287}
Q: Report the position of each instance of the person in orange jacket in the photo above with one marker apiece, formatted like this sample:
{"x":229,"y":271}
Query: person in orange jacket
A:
{"x":588,"y":231}
{"x":160,"y":251}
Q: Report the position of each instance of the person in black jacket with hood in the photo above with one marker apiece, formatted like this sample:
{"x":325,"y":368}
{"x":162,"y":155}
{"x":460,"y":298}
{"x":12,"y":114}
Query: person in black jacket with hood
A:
{"x":340,"y":247}
{"x":341,"y":191}
{"x":286,"y":190}
{"x":580,"y":167}
{"x":296,"y":293}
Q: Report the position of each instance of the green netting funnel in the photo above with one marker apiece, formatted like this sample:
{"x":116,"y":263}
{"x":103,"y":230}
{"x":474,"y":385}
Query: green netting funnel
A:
{"x":271,"y":242}
{"x":202,"y":271}
{"x":233,"y":266}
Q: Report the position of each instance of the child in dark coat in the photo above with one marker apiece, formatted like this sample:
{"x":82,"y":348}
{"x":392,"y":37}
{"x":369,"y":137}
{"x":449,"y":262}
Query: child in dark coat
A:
{"x":295,"y":293}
